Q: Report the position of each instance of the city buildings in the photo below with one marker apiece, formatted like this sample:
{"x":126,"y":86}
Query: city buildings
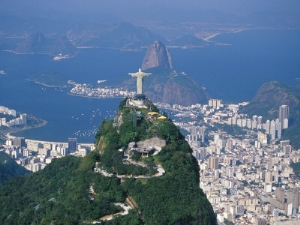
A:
{"x":21,"y":120}
{"x":247,"y":177}
{"x":283,"y":116}
{"x":72,"y":145}
{"x":34,"y":155}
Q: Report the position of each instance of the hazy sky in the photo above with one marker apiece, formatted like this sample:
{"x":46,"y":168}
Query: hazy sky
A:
{"x":167,"y":11}
{"x":130,"y":6}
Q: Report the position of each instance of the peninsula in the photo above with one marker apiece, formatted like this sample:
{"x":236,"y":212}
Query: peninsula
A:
{"x":50,"y":79}
{"x":14,"y":122}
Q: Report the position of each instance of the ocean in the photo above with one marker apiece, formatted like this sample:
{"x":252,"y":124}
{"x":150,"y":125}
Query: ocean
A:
{"x":232,"y":68}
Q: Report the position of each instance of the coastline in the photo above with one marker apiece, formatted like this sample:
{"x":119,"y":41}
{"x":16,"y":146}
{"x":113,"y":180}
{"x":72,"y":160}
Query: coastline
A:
{"x":16,"y":130}
{"x":9,"y":136}
{"x":208,"y":39}
{"x":84,"y":96}
{"x":47,"y":85}
{"x":25,"y":53}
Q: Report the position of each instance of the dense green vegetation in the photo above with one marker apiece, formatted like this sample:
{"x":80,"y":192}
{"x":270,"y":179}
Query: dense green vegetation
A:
{"x":8,"y":117}
{"x":174,"y":197}
{"x":60,"y":194}
{"x":50,"y":79}
{"x":296,"y":168}
{"x":227,"y":222}
{"x":233,"y":130}
{"x":9,"y":168}
{"x":293,"y":132}
{"x":68,"y":191}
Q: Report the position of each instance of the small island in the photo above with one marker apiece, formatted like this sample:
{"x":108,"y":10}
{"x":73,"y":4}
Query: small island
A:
{"x":50,"y":79}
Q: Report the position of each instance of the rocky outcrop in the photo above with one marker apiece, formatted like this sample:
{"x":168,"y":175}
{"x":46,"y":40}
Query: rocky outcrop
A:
{"x":157,"y":55}
{"x":178,"y":88}
{"x":276,"y":93}
{"x":165,"y":84}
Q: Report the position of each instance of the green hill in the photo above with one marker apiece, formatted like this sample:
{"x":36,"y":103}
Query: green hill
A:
{"x":269,"y":97}
{"x":9,"y":168}
{"x":50,"y":79}
{"x":74,"y":190}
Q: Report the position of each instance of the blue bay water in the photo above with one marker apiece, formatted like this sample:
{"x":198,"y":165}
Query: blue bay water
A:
{"x":231,"y":72}
{"x":67,"y":116}
{"x":234,"y":72}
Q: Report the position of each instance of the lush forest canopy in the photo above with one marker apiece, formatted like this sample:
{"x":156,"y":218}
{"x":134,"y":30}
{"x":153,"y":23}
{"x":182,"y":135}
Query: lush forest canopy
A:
{"x":49,"y":79}
{"x":9,"y":168}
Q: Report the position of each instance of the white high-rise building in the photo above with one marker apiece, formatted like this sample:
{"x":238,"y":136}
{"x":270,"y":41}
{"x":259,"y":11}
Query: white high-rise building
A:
{"x":259,"y":119}
{"x":229,"y":171}
{"x":254,"y":117}
{"x":234,"y":120}
{"x":215,"y":103}
{"x":202,"y":133}
{"x":244,"y":122}
{"x":287,"y":149}
{"x":216,"y":138}
{"x":23,"y":118}
{"x":284,"y":142}
{"x":229,"y":144}
{"x":249,"y":123}
{"x":278,"y":128}
{"x":283,"y":116}
{"x":285,"y":123}
{"x":273,"y":130}
{"x":267,"y":127}
{"x":254,"y":124}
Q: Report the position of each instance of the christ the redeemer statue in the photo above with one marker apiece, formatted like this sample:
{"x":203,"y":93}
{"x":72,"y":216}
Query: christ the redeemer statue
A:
{"x":139,"y":80}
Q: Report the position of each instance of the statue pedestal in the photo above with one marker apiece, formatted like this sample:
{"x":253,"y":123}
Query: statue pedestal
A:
{"x":138,"y":100}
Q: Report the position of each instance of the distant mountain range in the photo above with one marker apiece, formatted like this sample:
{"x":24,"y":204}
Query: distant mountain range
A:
{"x":41,"y":44}
{"x":123,"y":36}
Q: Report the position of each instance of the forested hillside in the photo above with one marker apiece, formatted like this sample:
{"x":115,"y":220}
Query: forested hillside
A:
{"x":9,"y":168}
